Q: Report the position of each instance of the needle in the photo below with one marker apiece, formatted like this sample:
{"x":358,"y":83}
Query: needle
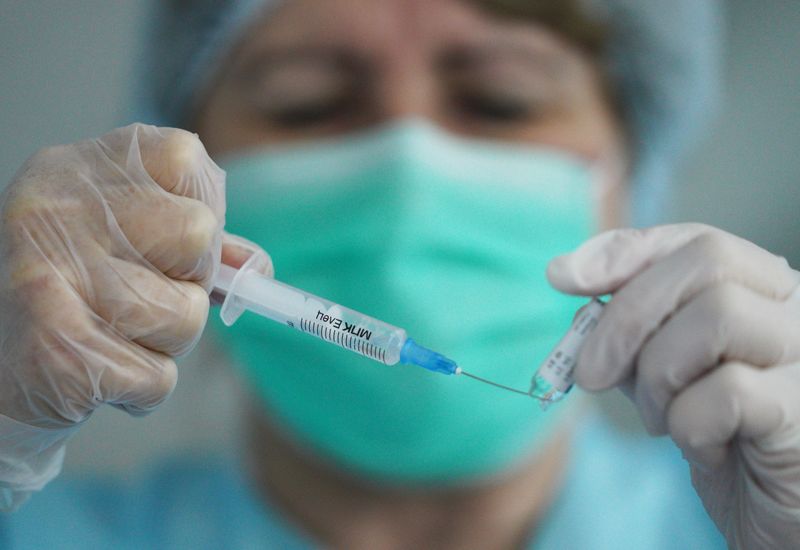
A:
{"x":501,"y":386}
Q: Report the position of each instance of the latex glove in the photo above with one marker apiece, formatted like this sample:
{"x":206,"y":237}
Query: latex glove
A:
{"x":703,"y":333}
{"x":108,"y":248}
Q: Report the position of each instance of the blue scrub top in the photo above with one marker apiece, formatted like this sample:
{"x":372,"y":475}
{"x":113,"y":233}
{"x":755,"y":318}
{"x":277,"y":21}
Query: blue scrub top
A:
{"x":621,"y":492}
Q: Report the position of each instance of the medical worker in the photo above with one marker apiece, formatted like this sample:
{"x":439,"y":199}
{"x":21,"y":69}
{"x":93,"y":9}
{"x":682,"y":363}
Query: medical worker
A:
{"x":458,"y":168}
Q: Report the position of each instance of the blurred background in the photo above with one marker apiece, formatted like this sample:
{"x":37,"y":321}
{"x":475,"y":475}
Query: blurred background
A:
{"x":68,"y":67}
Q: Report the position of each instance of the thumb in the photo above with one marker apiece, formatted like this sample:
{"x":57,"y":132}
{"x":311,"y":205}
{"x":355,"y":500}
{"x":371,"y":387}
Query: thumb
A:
{"x":606,"y":262}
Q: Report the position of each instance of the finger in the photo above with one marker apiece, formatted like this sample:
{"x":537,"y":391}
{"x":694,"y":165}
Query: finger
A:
{"x":101,"y":367}
{"x":605,"y":262}
{"x":149,"y":173}
{"x":178,"y":236}
{"x":84,"y":360}
{"x":608,"y":261}
{"x":77,"y":361}
{"x":148,"y":308}
{"x":180,"y":164}
{"x":139,"y":386}
{"x":723,"y":323}
{"x":237,"y":250}
{"x":173,"y":158}
{"x":647,"y":300}
{"x":735,"y":400}
{"x":793,"y":300}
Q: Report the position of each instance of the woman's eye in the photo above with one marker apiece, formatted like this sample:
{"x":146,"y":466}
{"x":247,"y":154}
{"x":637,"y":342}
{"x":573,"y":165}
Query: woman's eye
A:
{"x":494,"y":107}
{"x":311,"y":113}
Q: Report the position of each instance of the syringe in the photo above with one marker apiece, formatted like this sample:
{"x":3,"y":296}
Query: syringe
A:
{"x":246,"y":289}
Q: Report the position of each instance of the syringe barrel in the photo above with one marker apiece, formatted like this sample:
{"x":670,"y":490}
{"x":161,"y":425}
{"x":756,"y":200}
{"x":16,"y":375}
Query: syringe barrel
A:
{"x":313,"y":315}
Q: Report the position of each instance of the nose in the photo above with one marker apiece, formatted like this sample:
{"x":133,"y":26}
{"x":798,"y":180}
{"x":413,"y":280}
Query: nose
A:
{"x":407,"y":89}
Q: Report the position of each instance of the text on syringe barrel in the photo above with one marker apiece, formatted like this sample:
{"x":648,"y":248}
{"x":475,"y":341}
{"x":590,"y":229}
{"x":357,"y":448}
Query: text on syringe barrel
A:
{"x":326,"y":320}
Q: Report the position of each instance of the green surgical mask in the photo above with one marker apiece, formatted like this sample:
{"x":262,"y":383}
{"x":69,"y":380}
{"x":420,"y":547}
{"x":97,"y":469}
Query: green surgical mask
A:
{"x":443,"y":236}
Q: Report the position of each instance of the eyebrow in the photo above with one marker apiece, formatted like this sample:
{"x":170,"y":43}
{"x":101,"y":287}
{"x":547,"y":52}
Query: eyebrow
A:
{"x":469,"y":57}
{"x":267,"y":60}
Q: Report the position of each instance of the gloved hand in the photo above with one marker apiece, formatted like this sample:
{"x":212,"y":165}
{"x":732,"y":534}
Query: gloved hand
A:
{"x":703,"y":333}
{"x":108,"y":248}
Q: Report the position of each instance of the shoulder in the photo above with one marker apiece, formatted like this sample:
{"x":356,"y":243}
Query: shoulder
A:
{"x":184,"y":502}
{"x":105,"y":512}
{"x":627,"y":491}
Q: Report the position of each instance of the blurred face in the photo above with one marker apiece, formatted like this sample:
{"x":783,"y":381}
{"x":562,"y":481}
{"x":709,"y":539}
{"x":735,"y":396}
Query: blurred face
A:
{"x":322,"y":68}
{"x":318,"y":69}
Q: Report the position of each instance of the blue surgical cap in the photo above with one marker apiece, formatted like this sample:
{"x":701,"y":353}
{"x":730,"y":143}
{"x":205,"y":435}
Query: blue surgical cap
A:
{"x":664,"y":57}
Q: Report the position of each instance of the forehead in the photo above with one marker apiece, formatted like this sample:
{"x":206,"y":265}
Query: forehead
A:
{"x":393,"y":27}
